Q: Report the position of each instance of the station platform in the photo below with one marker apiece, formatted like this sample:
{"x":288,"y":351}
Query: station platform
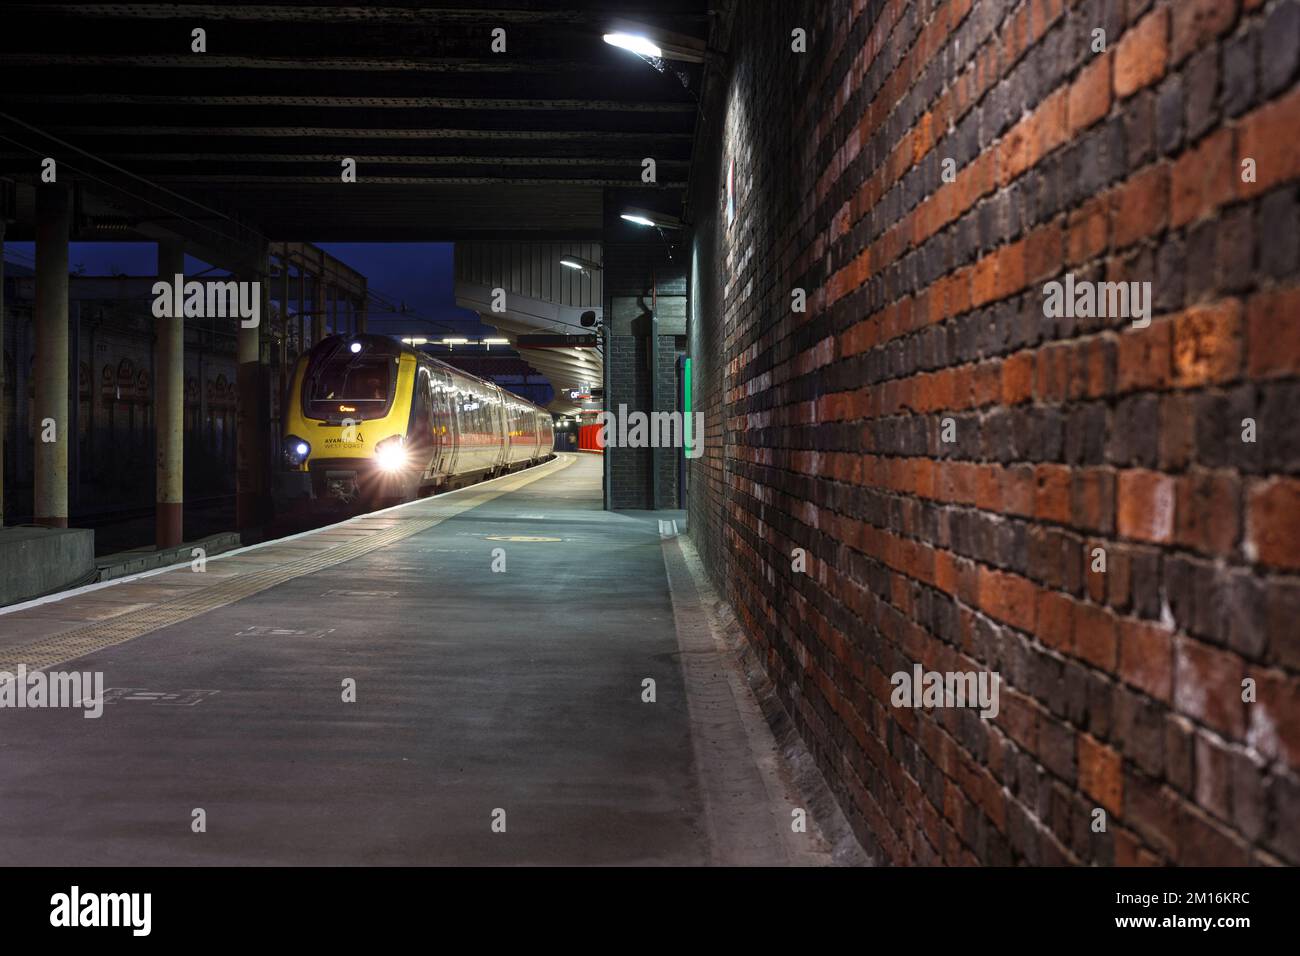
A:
{"x":498,"y":639}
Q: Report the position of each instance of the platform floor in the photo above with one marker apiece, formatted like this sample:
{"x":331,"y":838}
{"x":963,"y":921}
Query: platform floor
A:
{"x":477,"y":691}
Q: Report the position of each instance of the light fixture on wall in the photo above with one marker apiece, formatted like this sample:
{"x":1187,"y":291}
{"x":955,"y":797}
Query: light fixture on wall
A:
{"x":647,"y":41}
{"x":648,"y":217}
{"x":659,"y":220}
{"x":579,"y":264}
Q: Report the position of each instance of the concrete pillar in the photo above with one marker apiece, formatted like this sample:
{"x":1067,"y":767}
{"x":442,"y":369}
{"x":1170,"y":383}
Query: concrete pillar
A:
{"x":53,"y":226}
{"x":169,"y":408}
{"x":250,"y":416}
{"x":361,"y":309}
{"x":2,"y":370}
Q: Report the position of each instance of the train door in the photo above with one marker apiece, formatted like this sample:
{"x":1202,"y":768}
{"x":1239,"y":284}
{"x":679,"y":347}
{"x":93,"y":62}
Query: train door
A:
{"x":423,"y":441}
{"x":501,"y":423}
{"x":444,"y":424}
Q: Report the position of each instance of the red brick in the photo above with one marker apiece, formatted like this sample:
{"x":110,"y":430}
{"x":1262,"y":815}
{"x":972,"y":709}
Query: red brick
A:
{"x":1196,"y":22}
{"x":1146,"y":657}
{"x":1142,"y":54}
{"x":1007,"y":597}
{"x":1207,"y":344}
{"x":1140,"y":207}
{"x":1052,"y":495}
{"x":1273,"y":523}
{"x":1019,"y":490}
{"x":1090,"y":94}
{"x":1055,"y":620}
{"x":1100,"y":773}
{"x":1145,"y":506}
{"x":1017,"y":378}
{"x":1267,"y":136}
{"x":1144,"y":358}
{"x":1096,"y":639}
{"x":1273,"y":336}
{"x":1203,"y":179}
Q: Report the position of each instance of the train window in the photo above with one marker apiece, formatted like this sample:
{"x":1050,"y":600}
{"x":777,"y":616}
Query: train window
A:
{"x":340,"y":384}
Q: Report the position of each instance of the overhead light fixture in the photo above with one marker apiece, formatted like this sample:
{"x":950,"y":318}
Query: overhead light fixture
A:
{"x":640,"y":45}
{"x":415,"y":341}
{"x":496,"y":341}
{"x":580,"y":264}
{"x":648,"y":217}
{"x":455,"y":341}
{"x":652,"y":42}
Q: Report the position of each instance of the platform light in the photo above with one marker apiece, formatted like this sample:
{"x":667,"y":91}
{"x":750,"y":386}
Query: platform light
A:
{"x":355,"y":347}
{"x":496,"y":341}
{"x":647,"y":41}
{"x":648,"y":217}
{"x":579,"y":264}
{"x":641,"y":46}
{"x":415,"y":341}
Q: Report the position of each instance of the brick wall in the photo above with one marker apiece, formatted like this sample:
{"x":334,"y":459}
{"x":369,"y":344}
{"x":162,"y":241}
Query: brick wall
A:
{"x":1120,"y":690}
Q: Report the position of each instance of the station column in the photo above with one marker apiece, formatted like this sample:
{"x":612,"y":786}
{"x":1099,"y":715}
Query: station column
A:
{"x":250,"y":415}
{"x":169,"y":410}
{"x":2,"y":365}
{"x":53,"y":225}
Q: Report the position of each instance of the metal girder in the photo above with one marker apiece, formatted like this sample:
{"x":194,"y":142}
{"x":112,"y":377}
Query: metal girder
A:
{"x":389,"y":160}
{"x":357,"y":102}
{"x":341,"y":14}
{"x":367,"y":64}
{"x":341,"y":132}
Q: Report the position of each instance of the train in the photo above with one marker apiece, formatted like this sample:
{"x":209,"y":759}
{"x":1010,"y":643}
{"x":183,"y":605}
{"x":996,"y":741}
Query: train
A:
{"x":370,"y":421}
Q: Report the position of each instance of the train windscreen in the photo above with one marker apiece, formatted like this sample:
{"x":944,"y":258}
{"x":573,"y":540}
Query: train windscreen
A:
{"x":342,"y":384}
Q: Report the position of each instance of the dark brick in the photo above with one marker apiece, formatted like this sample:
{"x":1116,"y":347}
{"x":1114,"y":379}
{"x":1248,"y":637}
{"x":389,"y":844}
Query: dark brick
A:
{"x":1279,"y":48}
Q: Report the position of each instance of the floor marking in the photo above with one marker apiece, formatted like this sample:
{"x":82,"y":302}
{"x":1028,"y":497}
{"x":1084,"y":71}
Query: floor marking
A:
{"x":87,"y":638}
{"x":262,"y":630}
{"x":159,"y":698}
{"x":519,"y":537}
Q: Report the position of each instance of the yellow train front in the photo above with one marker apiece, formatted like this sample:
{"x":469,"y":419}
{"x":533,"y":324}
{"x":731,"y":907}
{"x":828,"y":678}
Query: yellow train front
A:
{"x":369,"y":421}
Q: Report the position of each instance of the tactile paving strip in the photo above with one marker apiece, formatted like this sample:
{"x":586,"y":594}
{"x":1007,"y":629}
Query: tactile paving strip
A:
{"x":88,"y":638}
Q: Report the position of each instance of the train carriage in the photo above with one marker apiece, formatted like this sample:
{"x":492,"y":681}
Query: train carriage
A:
{"x":371,"y":421}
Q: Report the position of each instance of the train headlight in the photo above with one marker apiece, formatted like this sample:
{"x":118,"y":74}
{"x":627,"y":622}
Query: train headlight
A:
{"x":296,"y":450}
{"x":390,"y":453}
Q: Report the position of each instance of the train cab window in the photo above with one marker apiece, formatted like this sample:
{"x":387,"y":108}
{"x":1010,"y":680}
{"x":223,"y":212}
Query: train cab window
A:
{"x":342,"y":384}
